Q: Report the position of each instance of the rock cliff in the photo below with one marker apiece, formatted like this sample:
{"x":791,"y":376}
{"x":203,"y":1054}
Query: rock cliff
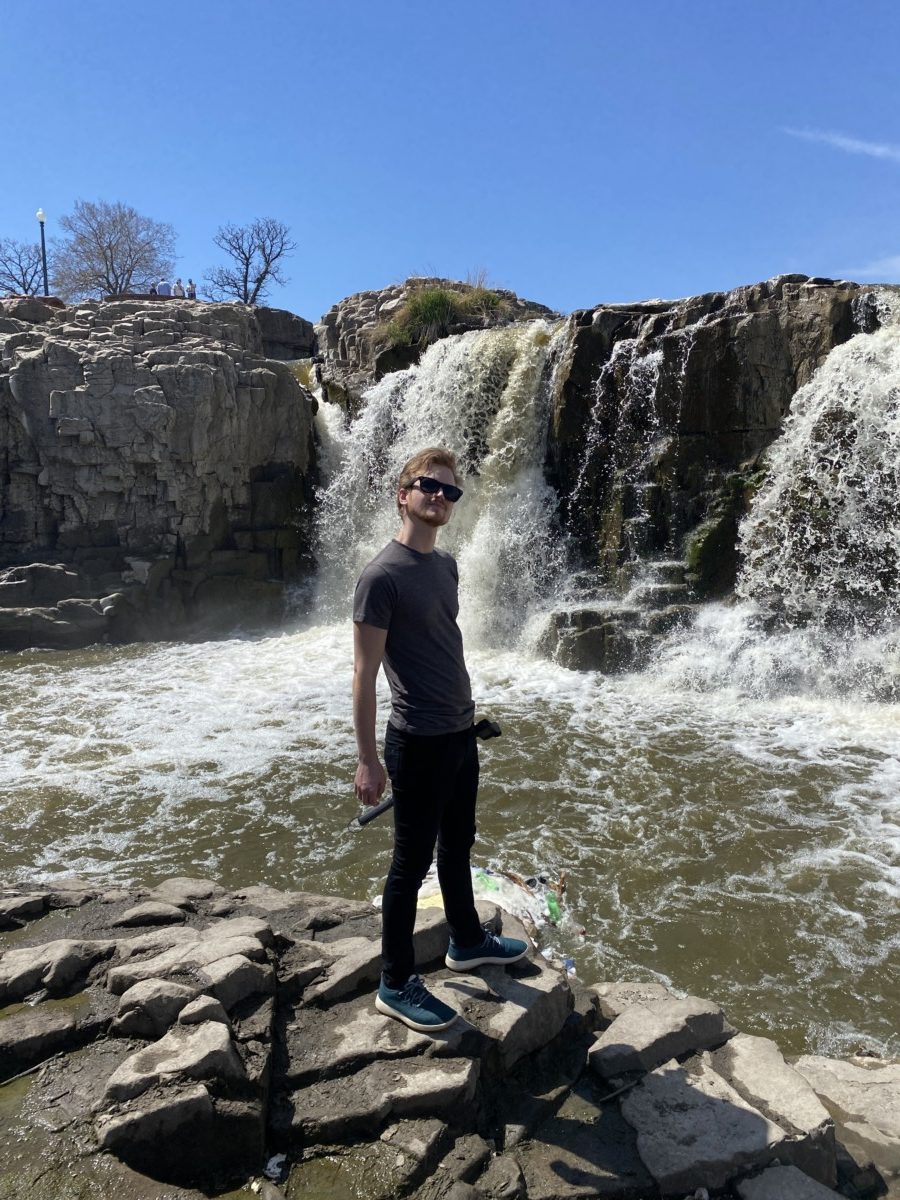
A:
{"x":661,"y":401}
{"x":661,"y":415}
{"x":157,"y":459}
{"x":154,"y":462}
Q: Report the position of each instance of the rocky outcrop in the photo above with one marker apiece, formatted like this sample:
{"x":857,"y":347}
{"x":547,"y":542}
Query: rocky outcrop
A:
{"x":663,"y":408}
{"x":661,"y":414}
{"x":350,"y":335}
{"x":284,"y":335}
{"x":243,"y":1038}
{"x":156,"y":470}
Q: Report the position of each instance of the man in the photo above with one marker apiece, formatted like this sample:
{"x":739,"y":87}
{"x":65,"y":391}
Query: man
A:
{"x":164,"y":288}
{"x":404,"y":615}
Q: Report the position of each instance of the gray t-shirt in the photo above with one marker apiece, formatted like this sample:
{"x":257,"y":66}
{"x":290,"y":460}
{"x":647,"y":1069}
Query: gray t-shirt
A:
{"x":415,"y":597}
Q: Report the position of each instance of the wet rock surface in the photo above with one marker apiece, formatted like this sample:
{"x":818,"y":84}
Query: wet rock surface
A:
{"x":661,"y":413}
{"x":188,"y":1056}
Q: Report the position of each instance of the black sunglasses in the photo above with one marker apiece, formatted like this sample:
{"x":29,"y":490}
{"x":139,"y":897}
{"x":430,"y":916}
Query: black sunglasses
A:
{"x":431,"y":487}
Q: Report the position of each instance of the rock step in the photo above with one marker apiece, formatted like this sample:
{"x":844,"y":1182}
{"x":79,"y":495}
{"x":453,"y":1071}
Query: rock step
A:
{"x":505,"y":1012}
{"x":350,"y":1091}
{"x":659,"y":595}
{"x":669,"y":570}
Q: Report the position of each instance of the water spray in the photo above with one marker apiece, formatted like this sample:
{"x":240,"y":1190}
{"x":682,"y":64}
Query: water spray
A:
{"x":485,"y":730}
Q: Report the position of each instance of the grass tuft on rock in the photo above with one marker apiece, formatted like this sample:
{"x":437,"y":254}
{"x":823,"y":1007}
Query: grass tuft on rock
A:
{"x":430,"y":313}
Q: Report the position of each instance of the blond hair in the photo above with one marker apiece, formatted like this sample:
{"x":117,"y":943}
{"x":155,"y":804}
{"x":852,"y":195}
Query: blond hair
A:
{"x":422,"y":462}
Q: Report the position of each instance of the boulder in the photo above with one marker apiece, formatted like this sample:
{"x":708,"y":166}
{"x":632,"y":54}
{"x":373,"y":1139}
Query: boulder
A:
{"x":864,"y":1101}
{"x":57,"y":966}
{"x":755,"y":1067}
{"x":187,"y":958}
{"x":613,"y":998}
{"x":519,"y":1008}
{"x":152,"y":912}
{"x":33,"y":1034}
{"x":15,"y":910}
{"x":330,"y":1111}
{"x":784,"y":1183}
{"x":339,"y":1040}
{"x":203,"y":1008}
{"x":187,"y":1052}
{"x":235,"y":978}
{"x":184,"y":892}
{"x":694,"y":1130}
{"x":149,"y":1008}
{"x":351,"y":963}
{"x":648,"y":1033}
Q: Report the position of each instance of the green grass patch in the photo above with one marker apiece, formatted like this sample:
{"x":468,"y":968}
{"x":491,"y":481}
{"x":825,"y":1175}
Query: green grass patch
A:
{"x":430,"y":313}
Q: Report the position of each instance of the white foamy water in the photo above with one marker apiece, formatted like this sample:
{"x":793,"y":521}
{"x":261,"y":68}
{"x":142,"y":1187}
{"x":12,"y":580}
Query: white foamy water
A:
{"x":728,"y":818}
{"x":823,"y":538}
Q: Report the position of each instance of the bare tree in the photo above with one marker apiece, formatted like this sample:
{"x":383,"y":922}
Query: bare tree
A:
{"x":256,"y":251}
{"x":20,"y":267}
{"x":111,"y":248}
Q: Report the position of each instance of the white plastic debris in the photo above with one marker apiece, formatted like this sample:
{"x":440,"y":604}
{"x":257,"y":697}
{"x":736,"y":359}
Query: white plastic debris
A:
{"x":274,"y":1167}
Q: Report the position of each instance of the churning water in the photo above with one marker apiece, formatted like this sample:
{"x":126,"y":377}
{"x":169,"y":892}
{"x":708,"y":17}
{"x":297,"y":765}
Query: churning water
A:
{"x":728,"y":818}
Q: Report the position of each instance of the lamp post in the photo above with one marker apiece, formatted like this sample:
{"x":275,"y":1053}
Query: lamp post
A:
{"x":41,"y":219}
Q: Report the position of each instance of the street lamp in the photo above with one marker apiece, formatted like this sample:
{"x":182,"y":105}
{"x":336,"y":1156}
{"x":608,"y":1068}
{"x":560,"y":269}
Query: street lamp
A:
{"x":41,"y":219}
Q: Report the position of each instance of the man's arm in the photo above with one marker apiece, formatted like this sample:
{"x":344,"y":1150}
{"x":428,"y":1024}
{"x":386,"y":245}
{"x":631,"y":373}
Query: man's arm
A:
{"x":368,"y":651}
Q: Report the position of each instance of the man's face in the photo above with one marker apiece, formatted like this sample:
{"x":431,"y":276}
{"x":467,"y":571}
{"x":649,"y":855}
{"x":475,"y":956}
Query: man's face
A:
{"x":429,"y":510}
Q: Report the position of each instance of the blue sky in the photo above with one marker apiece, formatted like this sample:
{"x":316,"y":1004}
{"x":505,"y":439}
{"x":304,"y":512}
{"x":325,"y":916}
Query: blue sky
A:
{"x":579,"y":152}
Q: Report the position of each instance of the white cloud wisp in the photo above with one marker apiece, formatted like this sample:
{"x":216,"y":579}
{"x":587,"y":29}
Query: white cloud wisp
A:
{"x":849,"y":145}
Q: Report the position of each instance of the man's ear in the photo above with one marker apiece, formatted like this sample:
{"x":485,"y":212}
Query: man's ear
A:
{"x":402,"y":497}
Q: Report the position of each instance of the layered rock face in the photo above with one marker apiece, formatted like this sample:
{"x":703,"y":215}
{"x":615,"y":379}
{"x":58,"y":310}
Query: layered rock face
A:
{"x":660,"y":402}
{"x":660,"y":417}
{"x":155,"y":460}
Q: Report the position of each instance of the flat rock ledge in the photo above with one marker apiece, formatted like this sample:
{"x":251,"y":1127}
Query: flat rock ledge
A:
{"x":203,"y":1039}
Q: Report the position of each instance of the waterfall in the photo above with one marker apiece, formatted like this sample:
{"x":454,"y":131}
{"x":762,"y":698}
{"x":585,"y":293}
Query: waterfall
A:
{"x":485,"y":395}
{"x":822,"y":542}
{"x":819,"y":587}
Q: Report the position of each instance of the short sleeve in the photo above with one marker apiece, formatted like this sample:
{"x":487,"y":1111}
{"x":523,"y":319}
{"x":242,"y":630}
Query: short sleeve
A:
{"x":375,"y":598}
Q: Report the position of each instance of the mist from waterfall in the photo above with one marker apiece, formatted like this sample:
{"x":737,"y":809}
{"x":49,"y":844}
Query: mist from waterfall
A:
{"x":485,"y":395}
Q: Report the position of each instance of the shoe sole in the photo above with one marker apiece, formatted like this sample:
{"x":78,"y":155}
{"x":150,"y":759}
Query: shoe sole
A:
{"x":417,"y":1025}
{"x":455,"y":965}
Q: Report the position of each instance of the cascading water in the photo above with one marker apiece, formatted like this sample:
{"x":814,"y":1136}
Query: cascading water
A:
{"x":820,"y":579}
{"x":823,"y":537}
{"x":485,"y":395}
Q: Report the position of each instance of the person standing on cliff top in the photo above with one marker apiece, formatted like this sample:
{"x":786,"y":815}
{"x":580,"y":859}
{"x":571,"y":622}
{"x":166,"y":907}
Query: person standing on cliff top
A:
{"x":404,"y":615}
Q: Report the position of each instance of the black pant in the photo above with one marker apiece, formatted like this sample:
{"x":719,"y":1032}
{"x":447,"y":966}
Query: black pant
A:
{"x":435,"y":782}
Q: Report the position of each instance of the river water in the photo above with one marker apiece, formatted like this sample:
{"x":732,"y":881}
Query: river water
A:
{"x":728,"y":818}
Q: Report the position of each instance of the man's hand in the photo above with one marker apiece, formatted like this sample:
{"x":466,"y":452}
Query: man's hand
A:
{"x":370,"y":782}
{"x":368,"y":651}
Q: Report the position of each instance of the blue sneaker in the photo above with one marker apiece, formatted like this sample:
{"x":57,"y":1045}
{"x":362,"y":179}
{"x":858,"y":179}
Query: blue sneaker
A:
{"x":492,"y":949}
{"x":415,"y":1006}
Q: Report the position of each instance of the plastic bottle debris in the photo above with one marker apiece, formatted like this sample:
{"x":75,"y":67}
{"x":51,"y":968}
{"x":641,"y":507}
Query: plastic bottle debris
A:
{"x":487,"y":881}
{"x":569,"y":964}
{"x":554,"y":912}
